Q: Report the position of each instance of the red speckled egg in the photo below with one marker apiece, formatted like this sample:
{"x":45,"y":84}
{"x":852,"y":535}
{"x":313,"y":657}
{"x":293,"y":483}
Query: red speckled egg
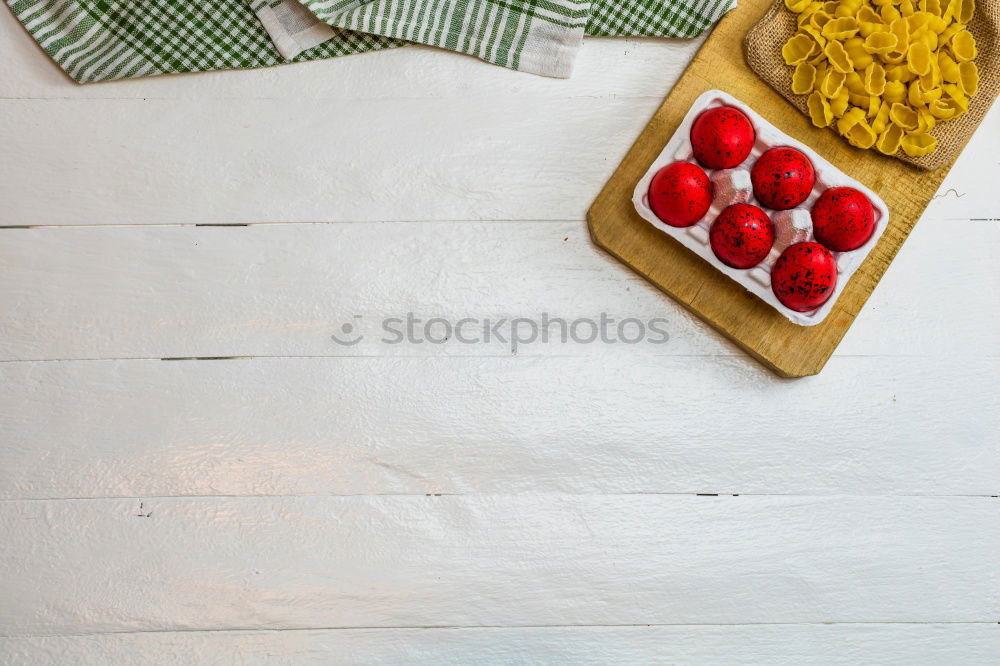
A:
{"x":680,"y":194}
{"x":804,"y":276}
{"x":741,"y":236}
{"x":782,"y":178}
{"x":722,"y":137}
{"x":843,"y":219}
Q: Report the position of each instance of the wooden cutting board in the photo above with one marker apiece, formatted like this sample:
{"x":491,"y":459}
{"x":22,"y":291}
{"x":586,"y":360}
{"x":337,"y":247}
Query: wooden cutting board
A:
{"x":790,"y":350}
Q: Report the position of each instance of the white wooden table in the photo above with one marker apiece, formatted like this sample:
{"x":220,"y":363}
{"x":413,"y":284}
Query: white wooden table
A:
{"x":275,"y":497}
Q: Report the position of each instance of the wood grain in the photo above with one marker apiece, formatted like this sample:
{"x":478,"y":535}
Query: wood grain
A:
{"x":790,"y":350}
{"x":351,"y":426}
{"x":695,"y":645}
{"x":272,"y":290}
{"x":117,"y":565}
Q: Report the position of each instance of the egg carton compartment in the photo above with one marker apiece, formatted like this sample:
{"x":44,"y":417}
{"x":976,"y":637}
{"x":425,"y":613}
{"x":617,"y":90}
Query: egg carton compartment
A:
{"x":733,"y":186}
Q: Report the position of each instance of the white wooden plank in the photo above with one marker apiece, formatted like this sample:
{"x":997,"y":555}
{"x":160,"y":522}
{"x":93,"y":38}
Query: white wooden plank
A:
{"x":166,"y":161}
{"x":72,"y":162}
{"x":735,"y":645}
{"x":153,"y":292}
{"x":284,"y":290}
{"x":614,"y":424}
{"x":968,"y":191}
{"x":604,"y":67}
{"x":182,"y":564}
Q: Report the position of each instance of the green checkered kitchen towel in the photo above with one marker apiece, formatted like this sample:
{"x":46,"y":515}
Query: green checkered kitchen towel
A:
{"x":97,"y":40}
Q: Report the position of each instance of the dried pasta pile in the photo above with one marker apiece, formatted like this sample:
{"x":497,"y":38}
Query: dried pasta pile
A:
{"x":883,"y":73}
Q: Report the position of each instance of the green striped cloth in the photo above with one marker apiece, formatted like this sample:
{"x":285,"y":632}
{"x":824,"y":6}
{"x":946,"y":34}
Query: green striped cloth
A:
{"x":97,"y":40}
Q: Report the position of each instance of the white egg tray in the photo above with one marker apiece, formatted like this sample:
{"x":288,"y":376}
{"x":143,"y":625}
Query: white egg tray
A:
{"x":757,"y":280}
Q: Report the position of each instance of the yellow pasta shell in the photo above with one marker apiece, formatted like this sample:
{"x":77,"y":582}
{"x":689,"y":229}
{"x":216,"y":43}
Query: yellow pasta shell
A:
{"x":928,"y":92}
{"x":893,"y":57}
{"x":918,"y":58}
{"x":928,"y":95}
{"x":889,"y":13}
{"x":968,"y":78}
{"x":881,"y":118}
{"x":841,"y":28}
{"x":889,"y":139}
{"x":941,"y":109}
{"x":901,"y":28}
{"x":899,"y":72}
{"x":858,"y":99}
{"x":855,"y":47}
{"x":816,"y":34}
{"x":819,"y":110}
{"x":918,"y":21}
{"x":839,"y":103}
{"x":948,"y":8}
{"x":797,"y":49}
{"x":821,"y":70}
{"x":852,"y":117}
{"x":930,"y":6}
{"x":867,"y":15}
{"x":956,"y":93}
{"x":949,"y":32}
{"x":959,"y":110}
{"x":874,"y":79}
{"x":797,"y":6}
{"x":880,"y":42}
{"x":925,"y":121}
{"x":903,"y":116}
{"x":855,"y":83}
{"x":895,"y":91}
{"x":869,"y":21}
{"x":847,"y":8}
{"x":968,"y":8}
{"x":819,"y":18}
{"x":952,"y":106}
{"x":874,"y":104}
{"x":929,"y":39}
{"x":871,"y":27}
{"x":932,"y":79}
{"x":918,"y":145}
{"x":950,"y":71}
{"x":838,"y":57}
{"x":963,"y":46}
{"x":862,"y":135}
{"x":803,"y":78}
{"x":832,"y":83}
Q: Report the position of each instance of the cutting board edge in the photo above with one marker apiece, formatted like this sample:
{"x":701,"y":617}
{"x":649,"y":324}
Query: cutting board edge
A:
{"x":787,"y":371}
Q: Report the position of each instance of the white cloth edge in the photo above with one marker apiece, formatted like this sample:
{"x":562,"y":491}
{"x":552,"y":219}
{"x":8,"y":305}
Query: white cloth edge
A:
{"x":290,"y":44}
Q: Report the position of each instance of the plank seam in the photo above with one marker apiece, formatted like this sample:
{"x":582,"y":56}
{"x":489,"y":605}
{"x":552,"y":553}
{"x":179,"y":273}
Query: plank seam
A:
{"x":831,"y":496}
{"x":411,"y":221}
{"x":432,"y":357}
{"x":503,"y":626}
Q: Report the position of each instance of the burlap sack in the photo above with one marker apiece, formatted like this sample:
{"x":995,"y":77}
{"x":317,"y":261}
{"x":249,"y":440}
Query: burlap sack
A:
{"x":762,"y":49}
